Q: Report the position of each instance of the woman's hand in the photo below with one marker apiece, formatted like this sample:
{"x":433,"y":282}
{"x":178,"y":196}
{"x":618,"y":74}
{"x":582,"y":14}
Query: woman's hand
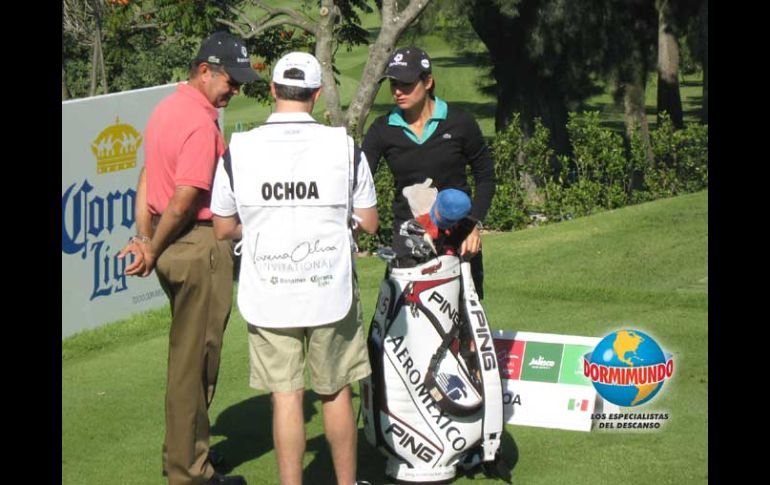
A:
{"x":472,"y":244}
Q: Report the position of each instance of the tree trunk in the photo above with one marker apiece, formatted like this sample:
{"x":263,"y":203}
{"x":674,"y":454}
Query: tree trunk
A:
{"x":705,"y":108}
{"x":375,"y":66}
{"x":367,"y":90}
{"x":101,"y":62}
{"x":635,"y":116}
{"x":94,"y":68}
{"x":323,"y":52}
{"x":519,"y":85}
{"x":704,"y":18}
{"x":97,"y":61}
{"x":394,"y":22}
{"x":504,"y":41}
{"x":669,"y":98}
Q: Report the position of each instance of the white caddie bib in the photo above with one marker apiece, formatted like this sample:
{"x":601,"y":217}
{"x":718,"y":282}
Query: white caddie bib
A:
{"x":293,"y":185}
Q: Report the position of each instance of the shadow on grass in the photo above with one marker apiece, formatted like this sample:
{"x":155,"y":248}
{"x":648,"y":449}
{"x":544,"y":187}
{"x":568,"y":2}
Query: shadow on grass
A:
{"x":247,"y":428}
{"x":371,"y":462}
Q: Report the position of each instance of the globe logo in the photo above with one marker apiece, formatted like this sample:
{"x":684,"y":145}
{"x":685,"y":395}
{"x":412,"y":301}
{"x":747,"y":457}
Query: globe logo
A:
{"x":628,"y":367}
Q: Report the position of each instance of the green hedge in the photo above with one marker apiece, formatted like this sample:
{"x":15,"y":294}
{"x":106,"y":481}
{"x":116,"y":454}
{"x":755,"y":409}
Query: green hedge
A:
{"x":605,"y":171}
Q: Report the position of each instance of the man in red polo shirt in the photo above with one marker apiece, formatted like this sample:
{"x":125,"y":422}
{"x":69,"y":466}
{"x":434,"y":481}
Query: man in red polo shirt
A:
{"x":175,"y":237}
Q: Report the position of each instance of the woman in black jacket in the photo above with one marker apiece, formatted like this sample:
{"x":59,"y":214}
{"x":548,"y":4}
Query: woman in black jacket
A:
{"x":422,"y":137}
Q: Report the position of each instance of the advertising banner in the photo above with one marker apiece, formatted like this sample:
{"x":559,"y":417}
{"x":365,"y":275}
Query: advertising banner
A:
{"x":102,"y":154}
{"x":543,"y":381}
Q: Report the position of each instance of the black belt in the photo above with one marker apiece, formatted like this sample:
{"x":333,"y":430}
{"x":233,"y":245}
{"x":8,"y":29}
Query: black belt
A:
{"x":206,"y":222}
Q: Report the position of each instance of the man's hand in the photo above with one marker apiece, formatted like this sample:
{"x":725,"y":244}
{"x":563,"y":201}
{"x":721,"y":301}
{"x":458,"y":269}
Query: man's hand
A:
{"x":144,"y":261}
{"x":472,"y":244}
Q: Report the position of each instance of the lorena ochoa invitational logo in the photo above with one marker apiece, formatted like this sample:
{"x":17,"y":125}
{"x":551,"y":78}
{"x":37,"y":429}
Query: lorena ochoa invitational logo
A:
{"x":628,"y":367}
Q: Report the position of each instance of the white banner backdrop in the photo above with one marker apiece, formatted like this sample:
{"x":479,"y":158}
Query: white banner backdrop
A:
{"x":102,"y":154}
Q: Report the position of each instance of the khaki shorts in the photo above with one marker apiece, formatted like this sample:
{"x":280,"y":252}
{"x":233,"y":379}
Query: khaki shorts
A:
{"x":336,"y":354}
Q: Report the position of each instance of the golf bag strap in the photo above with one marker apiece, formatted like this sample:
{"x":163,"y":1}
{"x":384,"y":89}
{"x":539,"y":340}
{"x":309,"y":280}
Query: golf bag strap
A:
{"x":492,"y":425}
{"x":430,"y":379}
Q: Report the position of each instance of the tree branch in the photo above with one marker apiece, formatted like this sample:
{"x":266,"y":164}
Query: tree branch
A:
{"x":393,"y":25}
{"x":276,"y":11}
{"x":241,"y":15}
{"x":273,"y":18}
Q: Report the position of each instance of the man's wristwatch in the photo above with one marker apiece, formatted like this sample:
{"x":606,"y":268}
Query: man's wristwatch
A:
{"x":479,"y":225}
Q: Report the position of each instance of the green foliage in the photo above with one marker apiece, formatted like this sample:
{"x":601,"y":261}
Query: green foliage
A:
{"x":514,"y":154}
{"x":348,"y":30}
{"x":77,"y":65}
{"x":603,"y":172}
{"x":506,"y":147}
{"x":385,"y":187}
{"x":506,"y":212}
{"x":142,"y":43}
{"x":681,"y":159}
{"x":147,"y":43}
{"x":194,"y":18}
{"x":152,"y":63}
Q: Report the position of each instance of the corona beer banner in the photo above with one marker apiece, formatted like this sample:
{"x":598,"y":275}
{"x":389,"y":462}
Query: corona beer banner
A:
{"x":543,"y":382}
{"x":102,"y":154}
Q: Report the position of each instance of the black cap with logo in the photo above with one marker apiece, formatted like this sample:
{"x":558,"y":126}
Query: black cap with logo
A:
{"x":407,"y":64}
{"x":226,"y":50}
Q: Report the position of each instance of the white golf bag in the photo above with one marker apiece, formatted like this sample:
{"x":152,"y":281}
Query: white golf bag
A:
{"x":434,"y":400}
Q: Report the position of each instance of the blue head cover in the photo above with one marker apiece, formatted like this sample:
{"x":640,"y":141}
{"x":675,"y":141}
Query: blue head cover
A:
{"x":450,"y":207}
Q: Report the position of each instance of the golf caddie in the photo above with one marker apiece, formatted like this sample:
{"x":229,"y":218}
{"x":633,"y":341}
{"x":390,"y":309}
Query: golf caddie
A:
{"x":294,"y":191}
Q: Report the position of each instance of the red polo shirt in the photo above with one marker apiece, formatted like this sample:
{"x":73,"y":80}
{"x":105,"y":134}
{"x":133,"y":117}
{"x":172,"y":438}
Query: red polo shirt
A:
{"x":182,"y":144}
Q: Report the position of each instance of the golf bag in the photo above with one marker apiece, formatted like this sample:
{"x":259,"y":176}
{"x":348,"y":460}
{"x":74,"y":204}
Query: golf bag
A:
{"x":433,"y":402}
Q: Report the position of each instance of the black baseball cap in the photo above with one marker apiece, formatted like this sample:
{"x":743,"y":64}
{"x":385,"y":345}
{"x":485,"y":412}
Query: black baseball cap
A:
{"x":226,"y":50}
{"x":407,"y":64}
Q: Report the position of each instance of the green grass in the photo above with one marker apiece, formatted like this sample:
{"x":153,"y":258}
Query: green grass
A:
{"x":642,"y":267}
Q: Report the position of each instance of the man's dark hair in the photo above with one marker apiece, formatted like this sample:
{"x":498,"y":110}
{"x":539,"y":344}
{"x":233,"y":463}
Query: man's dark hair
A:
{"x":194,"y":68}
{"x":294,"y":93}
{"x":423,"y":77}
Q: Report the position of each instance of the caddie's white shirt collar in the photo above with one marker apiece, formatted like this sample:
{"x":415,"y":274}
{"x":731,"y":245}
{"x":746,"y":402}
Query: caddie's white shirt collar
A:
{"x":293,"y":116}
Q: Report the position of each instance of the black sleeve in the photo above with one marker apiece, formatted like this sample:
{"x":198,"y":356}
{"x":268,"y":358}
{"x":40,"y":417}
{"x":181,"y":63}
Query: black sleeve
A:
{"x":228,"y":164}
{"x":356,"y":163}
{"x":483,"y":169}
{"x":373,"y":147}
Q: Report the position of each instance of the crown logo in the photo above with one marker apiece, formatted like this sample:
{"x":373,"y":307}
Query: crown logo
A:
{"x":115,"y":148}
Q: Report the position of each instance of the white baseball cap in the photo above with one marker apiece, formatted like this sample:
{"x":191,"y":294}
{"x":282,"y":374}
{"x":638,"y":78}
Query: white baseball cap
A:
{"x":298,"y":69}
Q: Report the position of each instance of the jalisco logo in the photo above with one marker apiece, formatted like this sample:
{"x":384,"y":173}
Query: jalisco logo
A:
{"x":541,"y":363}
{"x":628,"y":367}
{"x":116,"y":147}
